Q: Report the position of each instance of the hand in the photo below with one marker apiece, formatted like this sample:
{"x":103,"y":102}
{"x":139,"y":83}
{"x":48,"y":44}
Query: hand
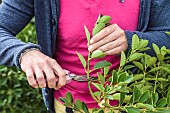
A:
{"x":42,"y":70}
{"x":111,"y":40}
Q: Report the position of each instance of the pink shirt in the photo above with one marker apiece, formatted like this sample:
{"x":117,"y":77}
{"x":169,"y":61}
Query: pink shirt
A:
{"x":74,"y":14}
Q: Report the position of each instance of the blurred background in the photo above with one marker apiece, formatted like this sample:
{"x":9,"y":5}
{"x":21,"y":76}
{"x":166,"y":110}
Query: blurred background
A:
{"x":16,"y":96}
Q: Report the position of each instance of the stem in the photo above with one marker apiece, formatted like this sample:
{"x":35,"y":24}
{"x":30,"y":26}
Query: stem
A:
{"x":91,"y":92}
{"x":155,"y":82}
{"x":88,"y":66}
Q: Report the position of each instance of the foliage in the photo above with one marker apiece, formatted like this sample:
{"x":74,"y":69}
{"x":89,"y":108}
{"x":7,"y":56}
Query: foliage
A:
{"x":145,"y":91}
{"x":16,"y":96}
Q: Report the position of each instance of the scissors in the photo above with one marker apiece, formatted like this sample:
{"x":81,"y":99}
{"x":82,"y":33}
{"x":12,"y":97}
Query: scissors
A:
{"x":78,"y":78}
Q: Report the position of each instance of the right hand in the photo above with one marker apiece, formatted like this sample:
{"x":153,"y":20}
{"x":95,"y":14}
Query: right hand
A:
{"x":42,"y":71}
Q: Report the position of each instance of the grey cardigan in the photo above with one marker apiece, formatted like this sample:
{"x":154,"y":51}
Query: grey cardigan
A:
{"x":154,"y":20}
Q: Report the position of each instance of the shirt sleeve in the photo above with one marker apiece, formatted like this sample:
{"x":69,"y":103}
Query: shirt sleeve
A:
{"x":156,"y":26}
{"x":14,"y":16}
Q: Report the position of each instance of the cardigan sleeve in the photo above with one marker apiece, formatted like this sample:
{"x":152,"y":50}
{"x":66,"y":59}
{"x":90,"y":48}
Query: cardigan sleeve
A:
{"x":157,"y":26}
{"x":14,"y":16}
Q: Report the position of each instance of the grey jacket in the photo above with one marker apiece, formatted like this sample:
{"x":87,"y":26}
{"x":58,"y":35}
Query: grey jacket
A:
{"x":154,"y":20}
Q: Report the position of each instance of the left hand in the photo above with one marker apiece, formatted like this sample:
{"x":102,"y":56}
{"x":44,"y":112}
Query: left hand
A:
{"x":111,"y":40}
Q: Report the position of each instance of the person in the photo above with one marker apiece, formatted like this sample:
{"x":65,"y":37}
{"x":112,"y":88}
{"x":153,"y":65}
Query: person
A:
{"x":60,"y":33}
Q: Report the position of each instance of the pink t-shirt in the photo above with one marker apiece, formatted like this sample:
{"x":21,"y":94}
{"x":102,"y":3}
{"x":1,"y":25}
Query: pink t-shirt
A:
{"x":74,"y":14}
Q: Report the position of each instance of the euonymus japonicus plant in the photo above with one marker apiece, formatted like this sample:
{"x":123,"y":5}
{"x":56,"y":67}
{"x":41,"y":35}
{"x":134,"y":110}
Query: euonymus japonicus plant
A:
{"x":145,"y":91}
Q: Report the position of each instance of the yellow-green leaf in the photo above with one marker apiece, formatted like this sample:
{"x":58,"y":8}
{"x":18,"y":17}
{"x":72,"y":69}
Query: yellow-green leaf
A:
{"x":156,"y":48}
{"x":102,"y":64}
{"x":87,"y":34}
{"x":98,"y":27}
{"x":104,"y":19}
{"x":123,"y":59}
{"x":135,"y":42}
{"x":82,"y":59}
{"x":97,"y":54}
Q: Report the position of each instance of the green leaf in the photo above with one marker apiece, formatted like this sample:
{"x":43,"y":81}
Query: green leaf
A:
{"x":114,"y":77}
{"x":152,"y":61}
{"x":122,"y":97}
{"x":154,"y":98}
{"x":132,"y":110}
{"x":142,"y":44}
{"x":123,"y":90}
{"x":97,"y":54}
{"x":129,"y":79}
{"x":104,"y":19}
{"x":137,"y":77}
{"x":98,"y":27}
{"x":167,"y":32}
{"x":156,"y":48}
{"x":155,"y":69}
{"x":82,"y":59}
{"x":122,"y":77}
{"x":162,"y":79}
{"x":160,"y":57}
{"x":149,"y":107}
{"x":69,"y":97}
{"x":135,"y":42}
{"x":106,"y":70}
{"x":168,"y":98}
{"x":97,"y":94}
{"x":63,"y":99}
{"x":166,"y":69}
{"x":102,"y":64}
{"x":101,"y":78}
{"x":87,"y":34}
{"x":85,"y":109}
{"x":135,"y":56}
{"x":78,"y":103}
{"x":139,"y":65}
{"x":163,"y":50}
{"x":144,"y":97}
{"x":128,"y":67}
{"x":136,"y":93}
{"x":99,"y":86}
{"x":123,"y":59}
{"x":116,"y":96}
{"x":161,"y":103}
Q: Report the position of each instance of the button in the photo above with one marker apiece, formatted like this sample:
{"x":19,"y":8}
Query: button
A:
{"x":52,"y":22}
{"x":122,"y":1}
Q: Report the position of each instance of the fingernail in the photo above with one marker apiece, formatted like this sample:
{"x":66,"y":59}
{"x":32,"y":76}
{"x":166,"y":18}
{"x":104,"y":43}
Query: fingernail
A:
{"x":90,"y":48}
{"x":91,"y":41}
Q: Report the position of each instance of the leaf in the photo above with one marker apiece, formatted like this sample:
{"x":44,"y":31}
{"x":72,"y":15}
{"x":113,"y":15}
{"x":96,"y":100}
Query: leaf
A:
{"x":78,"y":103}
{"x":97,"y":94}
{"x":156,"y":48}
{"x":149,"y":107}
{"x":97,"y":54}
{"x":122,"y":77}
{"x":139,"y":65}
{"x":69,"y":97}
{"x":128,"y":67}
{"x":163,"y":50}
{"x":162,"y":79}
{"x":99,"y":86}
{"x":166,"y":69}
{"x":155,"y":69}
{"x":106,"y":70}
{"x":154,"y":98}
{"x":160,"y":57}
{"x":116,"y":96}
{"x":63,"y":99}
{"x":123,"y":90}
{"x":123,"y":59}
{"x":87,"y":34}
{"x":102,"y":64}
{"x":98,"y":27}
{"x":152,"y":61}
{"x":144,"y":97}
{"x":167,"y":32}
{"x":136,"y":93}
{"x":132,"y":110}
{"x":135,"y":56}
{"x":114,"y":77}
{"x":129,"y":79}
{"x":161,"y":103}
{"x":104,"y":19}
{"x":83,"y":61}
{"x":84,"y":107}
{"x":137,"y":77}
{"x":142,"y":44}
{"x":135,"y":42}
{"x":122,"y":97}
{"x":101,"y":78}
{"x":168,"y":98}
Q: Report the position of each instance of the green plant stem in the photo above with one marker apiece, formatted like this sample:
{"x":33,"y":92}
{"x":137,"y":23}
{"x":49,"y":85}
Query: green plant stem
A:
{"x":155,"y":82}
{"x":91,"y":92}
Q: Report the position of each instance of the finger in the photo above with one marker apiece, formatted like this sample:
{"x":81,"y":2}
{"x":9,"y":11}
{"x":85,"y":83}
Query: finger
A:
{"x":114,"y":51}
{"x":60,"y":73}
{"x":113,"y":36}
{"x":103,"y":33}
{"x":50,"y":76}
{"x":30,"y":78}
{"x":40,"y":77}
{"x":109,"y":46}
